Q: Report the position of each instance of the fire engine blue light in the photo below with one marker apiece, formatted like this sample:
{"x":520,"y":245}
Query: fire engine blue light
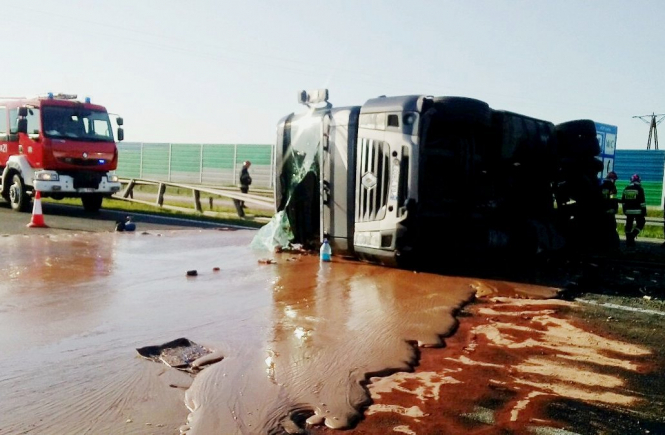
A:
{"x":102,"y":161}
{"x":50,"y":95}
{"x":87,"y":100}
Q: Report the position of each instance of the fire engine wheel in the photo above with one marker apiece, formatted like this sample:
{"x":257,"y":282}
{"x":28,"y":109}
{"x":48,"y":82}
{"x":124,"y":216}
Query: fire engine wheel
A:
{"x":465,"y":110}
{"x":92,"y":203}
{"x":578,"y":138}
{"x":18,"y":196}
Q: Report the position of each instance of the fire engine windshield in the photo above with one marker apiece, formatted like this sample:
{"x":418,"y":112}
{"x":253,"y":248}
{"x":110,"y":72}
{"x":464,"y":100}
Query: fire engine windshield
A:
{"x":76,"y":123}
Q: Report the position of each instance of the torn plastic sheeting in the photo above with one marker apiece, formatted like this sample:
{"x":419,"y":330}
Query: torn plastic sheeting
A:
{"x":300,"y":163}
{"x":275,"y":233}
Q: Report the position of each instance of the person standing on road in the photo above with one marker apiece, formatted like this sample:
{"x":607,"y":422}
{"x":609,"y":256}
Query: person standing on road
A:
{"x":608,"y":191}
{"x":245,"y":179}
{"x":635,"y":208}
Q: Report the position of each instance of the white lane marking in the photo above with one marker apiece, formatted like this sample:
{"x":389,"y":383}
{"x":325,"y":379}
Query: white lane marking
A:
{"x":621,"y":307}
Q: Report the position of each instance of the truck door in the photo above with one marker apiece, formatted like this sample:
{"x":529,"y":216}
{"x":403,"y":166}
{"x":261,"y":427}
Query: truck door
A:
{"x":337,"y":183}
{"x":326,"y":179}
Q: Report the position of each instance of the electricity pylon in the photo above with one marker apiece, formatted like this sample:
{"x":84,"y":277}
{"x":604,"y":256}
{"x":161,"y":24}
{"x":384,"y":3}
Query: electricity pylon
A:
{"x":653,"y":121}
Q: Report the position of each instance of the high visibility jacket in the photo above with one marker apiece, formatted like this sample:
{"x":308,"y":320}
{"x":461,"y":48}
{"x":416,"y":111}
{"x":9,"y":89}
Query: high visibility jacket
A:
{"x":609,"y":191}
{"x":634,"y":202}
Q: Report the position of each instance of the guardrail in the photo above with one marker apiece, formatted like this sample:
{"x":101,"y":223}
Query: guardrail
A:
{"x":650,"y":221}
{"x":234,"y":195}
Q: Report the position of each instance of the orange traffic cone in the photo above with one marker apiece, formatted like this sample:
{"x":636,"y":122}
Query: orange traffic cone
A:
{"x":37,"y":220}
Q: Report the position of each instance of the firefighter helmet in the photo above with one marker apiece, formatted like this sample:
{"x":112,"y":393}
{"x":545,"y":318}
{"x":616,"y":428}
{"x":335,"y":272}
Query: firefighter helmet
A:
{"x":635,"y":178}
{"x":612,"y":175}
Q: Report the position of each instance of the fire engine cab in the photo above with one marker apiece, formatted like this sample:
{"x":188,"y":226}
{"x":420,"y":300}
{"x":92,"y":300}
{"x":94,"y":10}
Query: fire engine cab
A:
{"x":59,"y":146}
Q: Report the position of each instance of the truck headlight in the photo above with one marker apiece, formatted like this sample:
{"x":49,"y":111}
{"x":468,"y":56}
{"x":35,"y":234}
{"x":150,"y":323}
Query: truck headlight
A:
{"x":46,"y":176}
{"x":112,"y":178}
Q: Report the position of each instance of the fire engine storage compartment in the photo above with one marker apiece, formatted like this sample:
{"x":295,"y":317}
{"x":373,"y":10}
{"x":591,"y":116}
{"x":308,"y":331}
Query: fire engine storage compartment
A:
{"x":315,"y":162}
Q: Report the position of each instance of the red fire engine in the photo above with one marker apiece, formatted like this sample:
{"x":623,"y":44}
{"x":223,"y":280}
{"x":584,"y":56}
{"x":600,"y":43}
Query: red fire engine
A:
{"x":59,"y":146}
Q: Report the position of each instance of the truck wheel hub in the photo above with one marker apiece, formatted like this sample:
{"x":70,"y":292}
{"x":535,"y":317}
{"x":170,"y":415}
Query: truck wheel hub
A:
{"x":14,"y":193}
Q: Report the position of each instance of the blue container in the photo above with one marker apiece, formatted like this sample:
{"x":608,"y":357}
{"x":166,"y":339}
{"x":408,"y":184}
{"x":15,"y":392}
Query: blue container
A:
{"x":326,"y":251}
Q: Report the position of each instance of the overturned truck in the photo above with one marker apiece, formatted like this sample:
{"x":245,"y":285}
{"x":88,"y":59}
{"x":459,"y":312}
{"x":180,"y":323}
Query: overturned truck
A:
{"x":409,"y":179}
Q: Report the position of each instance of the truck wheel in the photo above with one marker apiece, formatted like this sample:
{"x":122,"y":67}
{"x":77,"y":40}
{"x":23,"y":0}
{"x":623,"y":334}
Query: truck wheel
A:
{"x":577,"y":138}
{"x":579,"y":128}
{"x":18,"y":196}
{"x":92,"y":203}
{"x":466,"y":110}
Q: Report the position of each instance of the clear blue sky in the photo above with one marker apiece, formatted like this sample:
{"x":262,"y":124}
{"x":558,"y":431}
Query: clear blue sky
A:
{"x":225,"y":71}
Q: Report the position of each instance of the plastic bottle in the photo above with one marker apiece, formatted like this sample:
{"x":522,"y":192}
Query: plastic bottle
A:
{"x":326,"y":251}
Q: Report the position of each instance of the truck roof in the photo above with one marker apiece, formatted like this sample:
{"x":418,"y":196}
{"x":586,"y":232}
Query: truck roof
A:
{"x":403,"y":103}
{"x":46,"y":101}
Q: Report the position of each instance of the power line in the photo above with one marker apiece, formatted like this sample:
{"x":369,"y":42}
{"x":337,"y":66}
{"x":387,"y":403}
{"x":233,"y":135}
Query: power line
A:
{"x":653,"y":120}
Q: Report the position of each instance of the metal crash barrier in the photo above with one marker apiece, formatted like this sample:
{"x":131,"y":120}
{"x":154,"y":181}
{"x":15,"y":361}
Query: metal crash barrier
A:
{"x":266,"y":202}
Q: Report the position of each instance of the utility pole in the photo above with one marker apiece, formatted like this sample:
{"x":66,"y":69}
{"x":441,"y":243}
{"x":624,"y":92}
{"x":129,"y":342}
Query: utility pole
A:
{"x":653,"y":120}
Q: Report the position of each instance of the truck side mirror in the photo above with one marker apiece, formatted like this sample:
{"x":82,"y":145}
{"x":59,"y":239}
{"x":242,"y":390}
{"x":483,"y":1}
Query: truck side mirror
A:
{"x":121,"y":134}
{"x":119,"y":120}
{"x":22,"y":126}
{"x":22,"y":111}
{"x":302,"y":97}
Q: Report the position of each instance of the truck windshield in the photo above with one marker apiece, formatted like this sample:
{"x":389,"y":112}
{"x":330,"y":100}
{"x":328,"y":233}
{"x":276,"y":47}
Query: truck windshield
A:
{"x":76,"y":123}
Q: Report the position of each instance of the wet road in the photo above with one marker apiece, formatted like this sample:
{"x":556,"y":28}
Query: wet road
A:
{"x":63,"y":219}
{"x":75,"y":306}
{"x":300,"y":341}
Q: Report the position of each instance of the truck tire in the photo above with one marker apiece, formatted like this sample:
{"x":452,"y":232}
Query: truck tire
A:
{"x":577,"y":139}
{"x":92,"y":203}
{"x":464,"y":110}
{"x":18,"y":195}
{"x":580,"y":127}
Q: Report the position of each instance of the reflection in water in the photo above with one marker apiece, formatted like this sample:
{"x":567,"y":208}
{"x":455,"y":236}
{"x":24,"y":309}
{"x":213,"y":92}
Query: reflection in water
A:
{"x":62,"y":275}
{"x":39,"y":263}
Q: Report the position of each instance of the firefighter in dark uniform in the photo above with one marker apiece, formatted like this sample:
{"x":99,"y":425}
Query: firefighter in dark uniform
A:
{"x":608,"y":190}
{"x":635,"y":208}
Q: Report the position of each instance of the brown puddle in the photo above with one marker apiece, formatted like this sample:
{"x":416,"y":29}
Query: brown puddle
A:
{"x":506,"y":362}
{"x":332,"y":327}
{"x":299,"y":340}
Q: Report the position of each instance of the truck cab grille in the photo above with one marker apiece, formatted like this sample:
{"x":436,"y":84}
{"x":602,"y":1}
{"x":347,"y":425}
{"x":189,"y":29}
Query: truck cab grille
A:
{"x":85,"y":179}
{"x":80,"y":162}
{"x":373,"y":180}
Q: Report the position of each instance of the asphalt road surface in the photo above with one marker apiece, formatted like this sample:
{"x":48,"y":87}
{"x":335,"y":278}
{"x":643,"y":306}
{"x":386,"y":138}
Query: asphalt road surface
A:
{"x":66,"y":218}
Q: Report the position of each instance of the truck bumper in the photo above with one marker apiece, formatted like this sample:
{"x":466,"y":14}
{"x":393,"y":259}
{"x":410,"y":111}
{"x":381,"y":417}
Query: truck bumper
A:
{"x":379,"y":245}
{"x":67,"y":185}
